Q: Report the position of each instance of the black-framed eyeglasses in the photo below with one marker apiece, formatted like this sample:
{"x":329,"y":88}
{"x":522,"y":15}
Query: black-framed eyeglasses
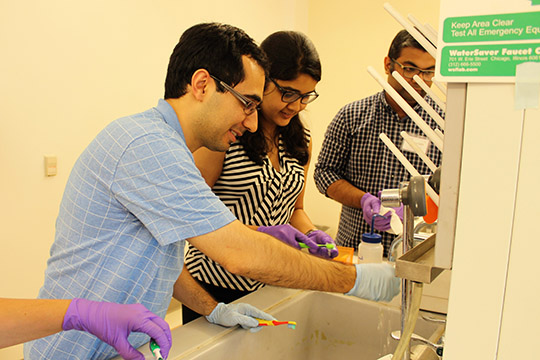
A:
{"x":290,"y":96}
{"x":249,"y":105}
{"x":410,"y":71}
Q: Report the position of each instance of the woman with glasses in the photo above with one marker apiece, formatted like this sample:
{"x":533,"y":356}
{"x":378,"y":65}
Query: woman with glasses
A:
{"x":261,"y":178}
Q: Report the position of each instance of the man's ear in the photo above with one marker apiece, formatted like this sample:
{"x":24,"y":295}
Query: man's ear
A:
{"x":200,"y":84}
{"x":387,"y":65}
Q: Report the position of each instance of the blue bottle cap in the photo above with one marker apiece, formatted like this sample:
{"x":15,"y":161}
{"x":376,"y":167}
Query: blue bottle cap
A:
{"x":371,"y":238}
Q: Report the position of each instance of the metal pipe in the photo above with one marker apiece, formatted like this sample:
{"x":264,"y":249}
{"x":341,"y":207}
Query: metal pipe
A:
{"x":406,"y":294}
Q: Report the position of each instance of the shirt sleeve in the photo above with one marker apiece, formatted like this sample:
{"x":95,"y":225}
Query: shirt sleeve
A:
{"x":157,"y":181}
{"x":334,"y":154}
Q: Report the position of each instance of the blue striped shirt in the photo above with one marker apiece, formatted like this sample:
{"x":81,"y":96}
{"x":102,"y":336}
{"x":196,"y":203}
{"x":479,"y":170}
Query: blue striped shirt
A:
{"x":133,"y":197}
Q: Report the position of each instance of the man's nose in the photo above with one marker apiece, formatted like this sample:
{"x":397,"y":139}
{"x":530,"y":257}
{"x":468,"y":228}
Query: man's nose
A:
{"x":251,"y":122}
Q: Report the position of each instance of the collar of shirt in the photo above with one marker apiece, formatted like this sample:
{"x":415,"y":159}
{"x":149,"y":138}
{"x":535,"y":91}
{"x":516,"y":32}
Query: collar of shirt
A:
{"x":382,"y":98}
{"x":169,"y":115}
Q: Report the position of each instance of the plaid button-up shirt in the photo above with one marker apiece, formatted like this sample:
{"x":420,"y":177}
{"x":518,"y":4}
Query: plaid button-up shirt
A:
{"x":353,"y":151}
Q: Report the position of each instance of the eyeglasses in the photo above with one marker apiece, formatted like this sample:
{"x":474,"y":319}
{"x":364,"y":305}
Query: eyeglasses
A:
{"x":410,"y":71}
{"x":249,"y":105}
{"x":290,"y":96}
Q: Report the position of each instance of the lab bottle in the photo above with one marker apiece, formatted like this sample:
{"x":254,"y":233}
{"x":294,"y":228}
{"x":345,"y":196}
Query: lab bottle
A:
{"x":370,"y":249}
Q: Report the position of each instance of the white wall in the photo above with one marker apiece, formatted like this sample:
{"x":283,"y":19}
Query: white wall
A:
{"x":68,"y":68}
{"x":494,"y":276}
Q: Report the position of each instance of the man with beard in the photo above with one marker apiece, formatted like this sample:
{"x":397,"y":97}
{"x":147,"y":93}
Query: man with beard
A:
{"x":354,"y":164}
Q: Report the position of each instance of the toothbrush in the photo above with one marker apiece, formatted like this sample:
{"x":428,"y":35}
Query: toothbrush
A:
{"x":290,"y":324}
{"x":155,"y":349}
{"x":328,"y":246}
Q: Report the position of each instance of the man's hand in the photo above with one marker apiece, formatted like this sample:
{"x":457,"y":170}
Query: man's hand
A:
{"x":237,"y":314}
{"x":376,"y":282}
{"x":371,"y":205}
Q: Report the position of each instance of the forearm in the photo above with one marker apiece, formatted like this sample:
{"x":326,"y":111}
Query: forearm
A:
{"x":346,"y":193}
{"x":278,"y":264}
{"x":300,"y":220}
{"x":188,"y":291}
{"x":261,"y":257}
{"x":28,"y":319}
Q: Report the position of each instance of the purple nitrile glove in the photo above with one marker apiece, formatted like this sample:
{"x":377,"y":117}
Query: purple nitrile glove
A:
{"x":112,"y":323}
{"x":320,"y":237}
{"x":371,"y":205}
{"x":288,"y":234}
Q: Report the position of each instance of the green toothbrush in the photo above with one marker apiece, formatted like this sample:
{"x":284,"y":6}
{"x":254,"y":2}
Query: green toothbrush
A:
{"x":155,"y":349}
{"x":328,"y":246}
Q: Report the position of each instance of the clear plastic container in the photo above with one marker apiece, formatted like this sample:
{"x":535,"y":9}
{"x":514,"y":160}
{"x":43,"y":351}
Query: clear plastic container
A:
{"x":370,"y":249}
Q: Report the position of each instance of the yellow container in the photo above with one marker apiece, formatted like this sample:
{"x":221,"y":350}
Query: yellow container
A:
{"x":345,"y":254}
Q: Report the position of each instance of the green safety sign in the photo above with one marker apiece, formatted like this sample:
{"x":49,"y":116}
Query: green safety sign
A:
{"x":489,"y":46}
{"x":501,"y":27}
{"x":487,"y":60}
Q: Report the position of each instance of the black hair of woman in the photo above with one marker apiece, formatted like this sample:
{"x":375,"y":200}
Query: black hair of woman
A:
{"x":289,"y":54}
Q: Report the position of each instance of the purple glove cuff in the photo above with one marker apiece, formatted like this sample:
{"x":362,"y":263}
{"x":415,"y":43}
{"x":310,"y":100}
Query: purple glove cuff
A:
{"x":71,"y":318}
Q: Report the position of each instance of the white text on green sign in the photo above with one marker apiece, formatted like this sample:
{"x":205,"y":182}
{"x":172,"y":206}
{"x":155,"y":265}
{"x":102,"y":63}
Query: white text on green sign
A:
{"x":487,"y":60}
{"x":501,"y":27}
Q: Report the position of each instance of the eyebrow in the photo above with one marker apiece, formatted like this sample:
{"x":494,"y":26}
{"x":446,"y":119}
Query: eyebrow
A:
{"x":416,"y":66}
{"x":255,"y":98}
{"x":296,"y":90}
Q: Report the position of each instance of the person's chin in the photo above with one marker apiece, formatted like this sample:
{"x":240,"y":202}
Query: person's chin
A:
{"x":284,"y":120}
{"x":221,"y":147}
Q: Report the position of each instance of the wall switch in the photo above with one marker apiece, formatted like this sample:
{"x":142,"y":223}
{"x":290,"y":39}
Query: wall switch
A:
{"x":50,"y":165}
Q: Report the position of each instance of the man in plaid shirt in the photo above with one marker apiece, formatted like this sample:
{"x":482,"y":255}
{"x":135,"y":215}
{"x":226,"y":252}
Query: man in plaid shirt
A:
{"x":354,"y":164}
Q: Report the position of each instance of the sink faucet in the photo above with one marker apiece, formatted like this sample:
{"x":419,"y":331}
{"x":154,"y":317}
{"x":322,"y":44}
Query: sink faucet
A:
{"x":412,"y":195}
{"x":398,"y":239}
{"x":438,"y":348}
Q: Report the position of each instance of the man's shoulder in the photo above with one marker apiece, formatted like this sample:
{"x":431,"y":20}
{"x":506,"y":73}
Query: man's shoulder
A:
{"x":132,"y":127}
{"x":362,"y":108}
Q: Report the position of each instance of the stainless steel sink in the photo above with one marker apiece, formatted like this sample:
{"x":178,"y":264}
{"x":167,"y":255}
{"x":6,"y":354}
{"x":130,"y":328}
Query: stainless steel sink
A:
{"x":329,"y":326}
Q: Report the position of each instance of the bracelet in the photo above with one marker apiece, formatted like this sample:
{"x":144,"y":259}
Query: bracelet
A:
{"x":310,"y":231}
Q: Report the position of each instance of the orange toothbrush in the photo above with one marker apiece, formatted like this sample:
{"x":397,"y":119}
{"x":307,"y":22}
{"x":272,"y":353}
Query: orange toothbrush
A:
{"x":290,"y":324}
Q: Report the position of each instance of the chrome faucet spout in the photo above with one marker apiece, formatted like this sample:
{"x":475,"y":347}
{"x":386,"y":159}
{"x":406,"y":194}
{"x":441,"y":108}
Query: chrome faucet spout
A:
{"x":437,"y":347}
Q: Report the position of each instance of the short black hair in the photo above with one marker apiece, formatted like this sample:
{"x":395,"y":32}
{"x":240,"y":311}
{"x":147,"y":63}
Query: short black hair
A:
{"x":402,"y":40}
{"x":216,"y":47}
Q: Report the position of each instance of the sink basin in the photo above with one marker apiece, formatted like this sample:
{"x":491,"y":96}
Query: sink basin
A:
{"x":329,"y":326}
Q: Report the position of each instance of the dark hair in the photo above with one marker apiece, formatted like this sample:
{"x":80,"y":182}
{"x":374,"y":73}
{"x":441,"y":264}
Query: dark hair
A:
{"x":289,"y":53}
{"x":402,"y":40}
{"x":216,"y":47}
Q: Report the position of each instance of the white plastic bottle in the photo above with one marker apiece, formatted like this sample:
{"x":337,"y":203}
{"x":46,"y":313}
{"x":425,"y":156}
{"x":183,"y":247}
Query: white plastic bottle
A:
{"x":370,"y":249}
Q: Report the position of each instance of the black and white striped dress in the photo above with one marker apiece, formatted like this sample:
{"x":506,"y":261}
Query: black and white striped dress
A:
{"x":256,"y":195}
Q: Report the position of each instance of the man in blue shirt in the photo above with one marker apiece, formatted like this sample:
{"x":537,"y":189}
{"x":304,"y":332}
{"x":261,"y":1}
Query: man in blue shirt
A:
{"x":135,"y":196}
